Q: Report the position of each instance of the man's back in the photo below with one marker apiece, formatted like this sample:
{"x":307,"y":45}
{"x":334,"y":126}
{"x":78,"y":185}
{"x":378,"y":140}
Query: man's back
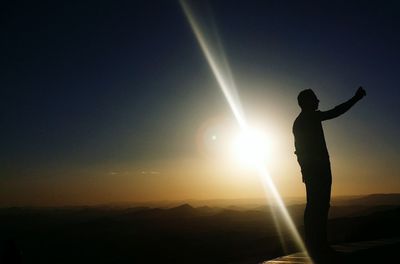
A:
{"x":309,"y":137}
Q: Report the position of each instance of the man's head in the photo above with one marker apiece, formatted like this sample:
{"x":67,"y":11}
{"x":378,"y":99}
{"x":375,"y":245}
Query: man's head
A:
{"x":308,"y":100}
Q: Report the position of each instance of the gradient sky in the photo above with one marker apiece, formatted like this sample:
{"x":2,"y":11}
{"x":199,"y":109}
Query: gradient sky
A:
{"x":108,"y":101}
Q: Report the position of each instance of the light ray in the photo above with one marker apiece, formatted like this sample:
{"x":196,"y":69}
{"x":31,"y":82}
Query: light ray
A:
{"x":217,"y":61}
{"x":220,"y":67}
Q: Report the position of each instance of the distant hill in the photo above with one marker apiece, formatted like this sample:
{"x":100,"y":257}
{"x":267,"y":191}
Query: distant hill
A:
{"x":378,"y":199}
{"x":381,"y":224}
{"x":182,"y":233}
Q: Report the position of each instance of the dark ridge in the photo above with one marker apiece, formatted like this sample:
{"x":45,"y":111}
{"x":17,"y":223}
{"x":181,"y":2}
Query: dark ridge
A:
{"x":184,"y":208}
{"x":379,"y":199}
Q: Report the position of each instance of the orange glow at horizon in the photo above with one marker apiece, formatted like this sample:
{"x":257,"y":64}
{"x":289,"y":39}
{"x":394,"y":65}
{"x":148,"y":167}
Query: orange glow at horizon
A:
{"x":180,"y":179}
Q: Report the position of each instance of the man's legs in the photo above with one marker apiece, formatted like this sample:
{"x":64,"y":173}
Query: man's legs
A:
{"x":318,"y":188}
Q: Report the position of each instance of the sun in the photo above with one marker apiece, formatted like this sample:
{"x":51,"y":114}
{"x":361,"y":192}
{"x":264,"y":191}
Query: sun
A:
{"x":251,"y":147}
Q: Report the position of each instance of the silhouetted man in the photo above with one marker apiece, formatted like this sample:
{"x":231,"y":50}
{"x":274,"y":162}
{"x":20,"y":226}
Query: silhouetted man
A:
{"x":313,"y":158}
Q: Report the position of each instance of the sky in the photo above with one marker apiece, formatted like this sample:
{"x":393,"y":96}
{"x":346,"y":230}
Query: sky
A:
{"x":113,"y":101}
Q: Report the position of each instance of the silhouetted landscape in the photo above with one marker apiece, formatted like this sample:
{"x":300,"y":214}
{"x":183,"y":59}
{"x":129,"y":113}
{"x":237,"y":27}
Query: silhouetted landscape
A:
{"x":182,"y":234}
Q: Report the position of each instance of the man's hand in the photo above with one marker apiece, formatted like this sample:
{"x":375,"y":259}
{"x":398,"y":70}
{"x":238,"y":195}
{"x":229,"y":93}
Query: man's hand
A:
{"x":360,"y":93}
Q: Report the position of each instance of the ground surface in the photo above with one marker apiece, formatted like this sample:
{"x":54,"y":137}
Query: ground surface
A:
{"x":376,"y":251}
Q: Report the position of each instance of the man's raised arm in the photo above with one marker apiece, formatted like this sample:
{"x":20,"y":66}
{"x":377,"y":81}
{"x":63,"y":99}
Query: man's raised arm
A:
{"x":343,"y":108}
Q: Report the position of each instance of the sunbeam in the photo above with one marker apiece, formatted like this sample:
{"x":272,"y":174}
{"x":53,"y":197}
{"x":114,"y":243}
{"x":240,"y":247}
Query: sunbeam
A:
{"x":216,"y":59}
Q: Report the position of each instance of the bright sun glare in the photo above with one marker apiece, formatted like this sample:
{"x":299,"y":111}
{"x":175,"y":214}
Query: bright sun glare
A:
{"x":251,"y":147}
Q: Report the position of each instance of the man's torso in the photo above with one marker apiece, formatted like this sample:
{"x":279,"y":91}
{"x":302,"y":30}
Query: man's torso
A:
{"x":311,"y":150}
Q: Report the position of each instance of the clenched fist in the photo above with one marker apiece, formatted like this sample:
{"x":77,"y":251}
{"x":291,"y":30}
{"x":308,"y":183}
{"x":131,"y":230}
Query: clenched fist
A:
{"x":360,"y":93}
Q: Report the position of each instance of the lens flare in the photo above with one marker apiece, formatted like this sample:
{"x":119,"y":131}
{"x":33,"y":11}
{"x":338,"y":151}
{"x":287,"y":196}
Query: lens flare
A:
{"x":214,"y":54}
